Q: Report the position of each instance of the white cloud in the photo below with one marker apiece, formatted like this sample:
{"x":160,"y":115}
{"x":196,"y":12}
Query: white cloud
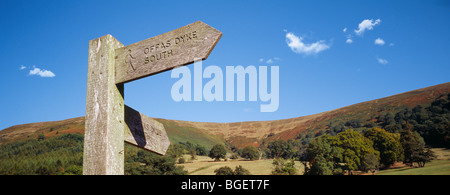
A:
{"x":379,"y":41}
{"x":41,"y":73}
{"x":298,"y":46}
{"x":382,"y":61}
{"x":349,"y":39}
{"x":366,"y":25}
{"x":270,"y":60}
{"x":391,"y":44}
{"x":345,"y":30}
{"x":22,"y":67}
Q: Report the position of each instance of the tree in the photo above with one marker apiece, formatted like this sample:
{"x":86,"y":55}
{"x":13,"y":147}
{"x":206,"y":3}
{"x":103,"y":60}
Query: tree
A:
{"x":283,"y":167}
{"x":278,"y":148}
{"x":224,"y":171}
{"x":355,"y":147}
{"x":370,"y":163}
{"x":346,"y":151}
{"x":181,"y":160}
{"x":147,"y":163}
{"x":354,"y":123}
{"x":239,"y":170}
{"x":193,"y":154}
{"x":424,"y":157}
{"x":320,"y":166}
{"x":412,"y":144}
{"x":175,"y":151}
{"x":388,"y":144}
{"x":250,"y":152}
{"x":414,"y":148}
{"x":217,"y":152}
{"x":323,"y":157}
{"x":200,"y":150}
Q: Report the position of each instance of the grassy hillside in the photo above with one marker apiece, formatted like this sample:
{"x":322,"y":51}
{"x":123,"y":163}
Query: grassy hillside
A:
{"x":179,"y":133}
{"x":369,"y":111}
{"x":51,"y":129}
{"x":241,"y":134}
{"x":48,"y":129}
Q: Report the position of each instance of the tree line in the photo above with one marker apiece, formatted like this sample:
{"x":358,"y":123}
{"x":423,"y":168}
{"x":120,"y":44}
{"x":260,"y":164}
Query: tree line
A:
{"x":364,"y":151}
{"x":63,"y":155}
{"x":367,"y":150}
{"x":58,"y":155}
{"x":432,"y":122}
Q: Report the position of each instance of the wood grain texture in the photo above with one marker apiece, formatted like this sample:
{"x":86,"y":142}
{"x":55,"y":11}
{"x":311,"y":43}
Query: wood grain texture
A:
{"x":166,"y":51}
{"x":145,"y":132}
{"x":104,"y":126}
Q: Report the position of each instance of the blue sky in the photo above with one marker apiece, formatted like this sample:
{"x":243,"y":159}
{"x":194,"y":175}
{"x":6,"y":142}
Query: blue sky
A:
{"x":44,"y":52}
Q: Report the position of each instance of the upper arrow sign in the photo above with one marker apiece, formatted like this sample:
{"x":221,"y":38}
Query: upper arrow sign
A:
{"x":164,"y":52}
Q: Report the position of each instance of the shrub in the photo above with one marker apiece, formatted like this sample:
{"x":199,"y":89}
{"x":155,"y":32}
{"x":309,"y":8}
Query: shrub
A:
{"x":239,"y":170}
{"x":224,"y":171}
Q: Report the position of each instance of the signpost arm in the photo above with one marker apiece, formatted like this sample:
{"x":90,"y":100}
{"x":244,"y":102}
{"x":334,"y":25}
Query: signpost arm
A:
{"x":104,"y":134}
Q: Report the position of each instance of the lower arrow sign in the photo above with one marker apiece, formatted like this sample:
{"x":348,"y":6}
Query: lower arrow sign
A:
{"x":145,"y":132}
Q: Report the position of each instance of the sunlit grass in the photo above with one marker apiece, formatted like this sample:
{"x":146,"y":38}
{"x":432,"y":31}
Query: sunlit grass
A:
{"x":204,"y":165}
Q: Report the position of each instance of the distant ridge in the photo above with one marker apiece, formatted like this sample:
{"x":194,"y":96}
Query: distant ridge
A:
{"x":240,"y":134}
{"x":48,"y":129}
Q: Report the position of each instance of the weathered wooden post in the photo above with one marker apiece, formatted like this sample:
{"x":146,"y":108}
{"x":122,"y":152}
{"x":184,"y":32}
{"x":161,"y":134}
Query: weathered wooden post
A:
{"x":104,"y":128}
{"x":109,"y":123}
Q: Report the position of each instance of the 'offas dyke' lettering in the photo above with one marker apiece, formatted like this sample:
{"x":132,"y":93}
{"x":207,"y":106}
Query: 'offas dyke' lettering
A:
{"x":157,"y":47}
{"x":162,"y":50}
{"x":186,"y":37}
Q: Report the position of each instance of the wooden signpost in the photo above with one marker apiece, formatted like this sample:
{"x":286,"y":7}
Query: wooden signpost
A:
{"x":109,"y":122}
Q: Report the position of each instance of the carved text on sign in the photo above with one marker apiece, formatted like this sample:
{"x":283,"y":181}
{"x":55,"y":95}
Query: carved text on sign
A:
{"x":164,"y":52}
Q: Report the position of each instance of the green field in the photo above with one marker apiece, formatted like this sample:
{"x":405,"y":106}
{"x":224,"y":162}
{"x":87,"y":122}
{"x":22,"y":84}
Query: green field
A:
{"x":436,"y":167}
{"x":439,"y":166}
